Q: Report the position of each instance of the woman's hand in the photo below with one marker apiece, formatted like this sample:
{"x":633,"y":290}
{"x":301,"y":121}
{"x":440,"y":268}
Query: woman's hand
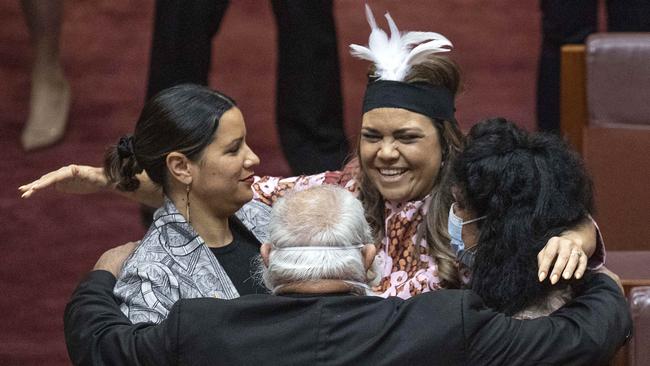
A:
{"x":571,"y":252}
{"x":570,"y":259}
{"x":113,"y":259}
{"x":79,"y":179}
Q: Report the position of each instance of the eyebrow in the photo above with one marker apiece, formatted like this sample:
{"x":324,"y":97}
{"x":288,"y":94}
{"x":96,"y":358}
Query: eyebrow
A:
{"x":233,"y":143}
{"x":396,"y":132}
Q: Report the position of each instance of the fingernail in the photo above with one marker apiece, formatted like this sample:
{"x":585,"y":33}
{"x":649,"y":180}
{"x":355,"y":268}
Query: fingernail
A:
{"x":578,"y":275}
{"x":566,"y":276}
{"x":542,"y":276}
{"x":554,"y":278}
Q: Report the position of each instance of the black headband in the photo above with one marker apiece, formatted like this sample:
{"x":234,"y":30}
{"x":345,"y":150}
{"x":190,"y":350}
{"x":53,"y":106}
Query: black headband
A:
{"x":435,"y":102}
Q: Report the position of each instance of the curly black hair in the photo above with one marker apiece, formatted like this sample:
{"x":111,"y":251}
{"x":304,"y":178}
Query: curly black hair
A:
{"x":531,"y":186}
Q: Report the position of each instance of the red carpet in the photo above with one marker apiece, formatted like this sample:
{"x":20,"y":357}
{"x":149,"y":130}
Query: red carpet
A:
{"x":51,"y":240}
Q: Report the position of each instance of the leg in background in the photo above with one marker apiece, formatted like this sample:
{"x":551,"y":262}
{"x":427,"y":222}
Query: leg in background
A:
{"x":563,"y":22}
{"x":628,"y":15}
{"x":309,"y":107}
{"x":181,"y":45}
{"x":50,"y":92}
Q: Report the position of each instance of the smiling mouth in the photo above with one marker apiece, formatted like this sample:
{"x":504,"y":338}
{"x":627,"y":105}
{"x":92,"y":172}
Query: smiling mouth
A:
{"x":249,"y":179}
{"x":391,"y":174}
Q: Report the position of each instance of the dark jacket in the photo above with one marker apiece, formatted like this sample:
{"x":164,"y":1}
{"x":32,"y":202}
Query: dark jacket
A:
{"x":447,"y":327}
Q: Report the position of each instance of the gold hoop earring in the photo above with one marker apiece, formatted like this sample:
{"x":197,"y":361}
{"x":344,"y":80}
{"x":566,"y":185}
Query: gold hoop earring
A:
{"x":187,"y":206}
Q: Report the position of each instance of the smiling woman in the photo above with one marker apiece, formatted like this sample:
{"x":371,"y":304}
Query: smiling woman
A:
{"x":191,"y":141}
{"x":406,"y":142}
{"x":400,"y":152}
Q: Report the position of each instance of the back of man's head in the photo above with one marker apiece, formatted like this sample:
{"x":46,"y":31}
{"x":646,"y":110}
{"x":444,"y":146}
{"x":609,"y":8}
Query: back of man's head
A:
{"x":317,"y":234}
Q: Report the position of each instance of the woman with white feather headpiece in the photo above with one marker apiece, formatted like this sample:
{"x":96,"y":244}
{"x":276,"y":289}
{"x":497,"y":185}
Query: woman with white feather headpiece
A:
{"x":409,"y":136}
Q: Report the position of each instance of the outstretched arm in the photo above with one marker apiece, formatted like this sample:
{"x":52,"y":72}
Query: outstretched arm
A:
{"x":587,"y":331}
{"x":84,"y":179}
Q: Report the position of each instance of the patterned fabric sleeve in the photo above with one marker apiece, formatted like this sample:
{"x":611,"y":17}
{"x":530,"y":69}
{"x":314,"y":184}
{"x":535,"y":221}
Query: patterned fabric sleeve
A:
{"x":268,"y":189}
{"x":147,"y":291}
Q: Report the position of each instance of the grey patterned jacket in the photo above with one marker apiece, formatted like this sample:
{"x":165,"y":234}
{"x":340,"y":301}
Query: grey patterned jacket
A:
{"x":172,"y":262}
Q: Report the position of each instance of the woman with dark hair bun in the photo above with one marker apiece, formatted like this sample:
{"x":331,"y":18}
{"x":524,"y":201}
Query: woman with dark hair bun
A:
{"x":191,"y":142}
{"x":514,"y":191}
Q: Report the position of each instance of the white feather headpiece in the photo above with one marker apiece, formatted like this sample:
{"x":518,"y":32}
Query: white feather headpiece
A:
{"x":394,"y":56}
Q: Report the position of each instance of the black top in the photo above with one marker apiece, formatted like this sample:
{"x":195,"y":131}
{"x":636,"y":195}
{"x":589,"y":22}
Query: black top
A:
{"x":446,"y":327}
{"x":238,"y":259}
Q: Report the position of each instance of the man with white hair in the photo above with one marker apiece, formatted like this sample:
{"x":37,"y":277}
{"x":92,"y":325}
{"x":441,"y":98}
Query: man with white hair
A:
{"x":318,"y":237}
{"x":317,"y":268}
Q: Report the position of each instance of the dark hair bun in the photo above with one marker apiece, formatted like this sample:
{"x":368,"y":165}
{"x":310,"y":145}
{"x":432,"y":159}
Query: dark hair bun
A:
{"x":121,"y":166}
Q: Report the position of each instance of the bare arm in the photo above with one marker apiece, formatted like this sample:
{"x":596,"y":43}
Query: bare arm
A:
{"x":84,"y":179}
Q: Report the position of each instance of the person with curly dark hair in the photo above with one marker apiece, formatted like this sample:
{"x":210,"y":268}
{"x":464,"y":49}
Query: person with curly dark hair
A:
{"x":514,"y":191}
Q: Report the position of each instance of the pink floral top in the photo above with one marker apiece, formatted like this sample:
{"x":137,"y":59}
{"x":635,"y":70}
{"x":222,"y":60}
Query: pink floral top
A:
{"x":404,"y":274}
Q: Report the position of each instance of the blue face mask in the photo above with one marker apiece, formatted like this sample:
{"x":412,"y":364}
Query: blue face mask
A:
{"x":455,"y":229}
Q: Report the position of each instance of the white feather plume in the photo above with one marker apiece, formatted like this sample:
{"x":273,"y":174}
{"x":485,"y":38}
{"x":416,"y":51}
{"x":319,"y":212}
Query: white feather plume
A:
{"x":394,"y":56}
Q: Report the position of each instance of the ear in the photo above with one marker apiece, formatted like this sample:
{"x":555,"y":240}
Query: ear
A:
{"x":455,"y":192}
{"x":179,"y":167}
{"x":368,"y":251}
{"x":265,"y":250}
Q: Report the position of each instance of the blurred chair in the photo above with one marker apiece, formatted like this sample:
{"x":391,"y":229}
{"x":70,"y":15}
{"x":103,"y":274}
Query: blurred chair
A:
{"x":638,"y":350}
{"x":605,"y":114}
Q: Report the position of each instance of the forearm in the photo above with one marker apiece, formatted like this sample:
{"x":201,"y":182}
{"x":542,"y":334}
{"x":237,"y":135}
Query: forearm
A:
{"x":267,"y":189}
{"x":97,"y":332}
{"x":85,"y":179}
{"x":586,"y":331}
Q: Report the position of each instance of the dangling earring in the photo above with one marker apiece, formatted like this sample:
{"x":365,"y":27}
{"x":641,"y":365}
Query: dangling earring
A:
{"x":187,"y":207}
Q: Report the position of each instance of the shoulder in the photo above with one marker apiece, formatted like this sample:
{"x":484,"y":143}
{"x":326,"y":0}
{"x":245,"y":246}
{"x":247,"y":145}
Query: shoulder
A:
{"x":255,"y":217}
{"x":139,"y":271}
{"x":445,"y":298}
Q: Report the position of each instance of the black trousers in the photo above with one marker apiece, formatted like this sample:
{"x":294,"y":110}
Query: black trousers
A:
{"x":309,"y":106}
{"x":571,"y":21}
{"x":309,"y":112}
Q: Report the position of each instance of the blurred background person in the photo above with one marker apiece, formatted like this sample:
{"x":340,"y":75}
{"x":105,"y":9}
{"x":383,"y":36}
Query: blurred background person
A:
{"x":49,"y":103}
{"x":566,"y":22}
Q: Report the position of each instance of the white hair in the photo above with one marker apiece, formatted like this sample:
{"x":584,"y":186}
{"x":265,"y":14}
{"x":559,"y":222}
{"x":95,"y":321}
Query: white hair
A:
{"x":331,"y":221}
